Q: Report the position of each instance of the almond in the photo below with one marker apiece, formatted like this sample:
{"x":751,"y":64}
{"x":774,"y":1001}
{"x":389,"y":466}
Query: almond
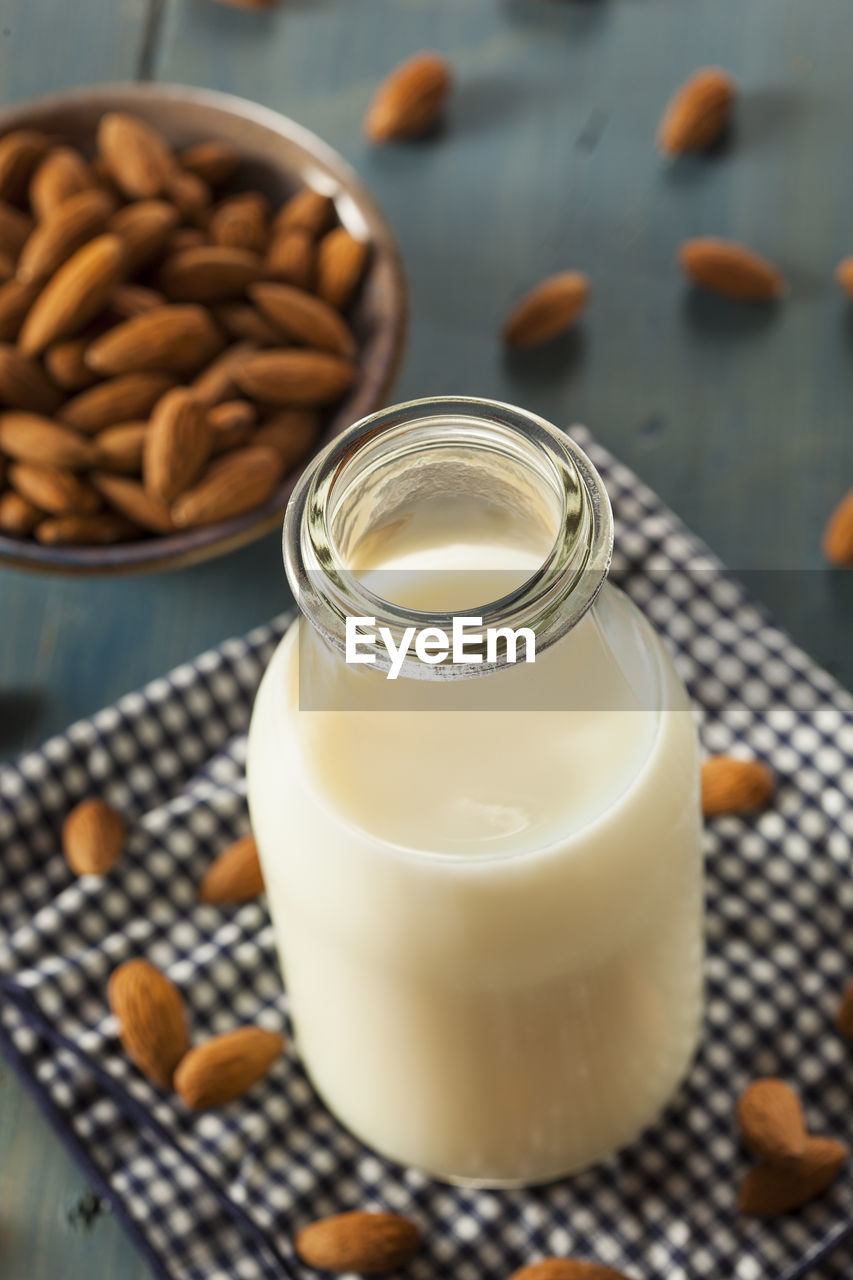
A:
{"x":771,"y":1121}
{"x":235,"y":483}
{"x":844,"y":275}
{"x":837,"y":541}
{"x":369,"y":1243}
{"x":130,"y":300}
{"x":62,"y":173}
{"x":145,"y":229}
{"x":120,"y":448}
{"x":130,"y":499}
{"x":566,"y":1269}
{"x":137,"y":157}
{"x":697,"y":113}
{"x":174,"y":339}
{"x":93,"y":834}
{"x":226,"y":1067}
{"x":74,"y":295}
{"x":213,"y":162}
{"x":151,"y":1017}
{"x":24,"y":384}
{"x":7,"y":267}
{"x":186,"y":238}
{"x":303,"y":318}
{"x":209,"y":273}
{"x":63,"y":232}
{"x":50,"y":489}
{"x":731,"y":269}
{"x":122,"y":399}
{"x":410,"y":100}
{"x":291,"y":432}
{"x":31,"y":438}
{"x":100,"y":529}
{"x":190,"y":196}
{"x":844,"y":1016}
{"x":340,"y":265}
{"x":216,"y":382}
{"x":17,"y":516}
{"x":283,"y":377}
{"x":241,"y":222}
{"x":231,"y":424}
{"x":20,"y":152}
{"x":769,"y":1189}
{"x":15,"y":227}
{"x":309,"y":209}
{"x":66,"y":364}
{"x":550,"y":308}
{"x":16,"y":298}
{"x":242,"y":321}
{"x":235,"y":876}
{"x":177,"y":444}
{"x":291,"y":257}
{"x":735,"y":786}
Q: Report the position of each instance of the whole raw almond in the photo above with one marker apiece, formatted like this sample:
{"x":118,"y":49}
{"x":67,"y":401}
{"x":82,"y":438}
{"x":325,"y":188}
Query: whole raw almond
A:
{"x":844,"y":1016}
{"x":65,"y":230}
{"x":75,"y":294}
{"x":131,"y":499}
{"x":771,"y":1121}
{"x":237,"y":482}
{"x":101,"y":529}
{"x":550,"y":308}
{"x":241,"y":222}
{"x":145,"y":228}
{"x":369,"y":1243}
{"x":32,"y":438}
{"x":62,"y":173}
{"x":837,"y":541}
{"x":291,"y":432}
{"x":174,"y":339}
{"x":295,"y":377}
{"x":20,"y":152}
{"x":235,"y":876}
{"x":16,"y":298}
{"x":292,"y":257}
{"x":24,"y":383}
{"x":120,"y":448}
{"x":735,"y":786}
{"x":304,"y":318}
{"x":698,"y":112}
{"x":190,"y":196}
{"x":242,"y":321}
{"x":18,"y":516}
{"x":771,"y":1189}
{"x":93,"y":833}
{"x":566,"y":1269}
{"x":213,"y":162}
{"x":216,"y":383}
{"x":177,"y":445}
{"x":731,"y":269}
{"x":226,"y":1067}
{"x":231,"y":424}
{"x":309,"y":209}
{"x":66,"y":364}
{"x":52,"y":490}
{"x":151,"y":1017}
{"x":340,"y":266}
{"x":15,"y":227}
{"x":209,"y":273}
{"x":123,"y":399}
{"x":138,"y":158}
{"x":130,"y":300}
{"x":410,"y":100}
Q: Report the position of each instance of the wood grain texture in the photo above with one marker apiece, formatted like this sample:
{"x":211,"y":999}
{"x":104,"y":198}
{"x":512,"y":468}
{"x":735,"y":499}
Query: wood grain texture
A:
{"x":738,"y":417}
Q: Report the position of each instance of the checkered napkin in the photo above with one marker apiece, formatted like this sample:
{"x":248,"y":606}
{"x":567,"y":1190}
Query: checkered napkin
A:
{"x":219,"y":1196}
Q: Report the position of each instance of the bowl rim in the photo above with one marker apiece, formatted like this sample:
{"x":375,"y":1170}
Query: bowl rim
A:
{"x":169,"y":551}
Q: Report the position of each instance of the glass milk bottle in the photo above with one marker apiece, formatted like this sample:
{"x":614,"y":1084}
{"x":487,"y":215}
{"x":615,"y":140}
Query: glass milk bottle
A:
{"x":484,"y":874}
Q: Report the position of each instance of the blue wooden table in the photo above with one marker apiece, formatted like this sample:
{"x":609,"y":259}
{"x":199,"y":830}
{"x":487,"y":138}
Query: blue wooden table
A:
{"x":739,"y":418}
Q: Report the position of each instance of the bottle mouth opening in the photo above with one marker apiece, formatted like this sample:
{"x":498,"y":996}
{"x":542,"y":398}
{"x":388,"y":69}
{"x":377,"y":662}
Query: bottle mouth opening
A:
{"x":367,"y":483}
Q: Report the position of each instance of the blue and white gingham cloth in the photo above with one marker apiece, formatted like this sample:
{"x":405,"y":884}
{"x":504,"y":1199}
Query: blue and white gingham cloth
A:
{"x":219,"y":1196}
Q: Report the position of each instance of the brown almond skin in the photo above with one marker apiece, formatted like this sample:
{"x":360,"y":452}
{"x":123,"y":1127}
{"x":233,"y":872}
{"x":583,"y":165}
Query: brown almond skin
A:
{"x":369,"y":1243}
{"x":15,"y":228}
{"x":20,"y":152}
{"x":844,"y":1016}
{"x":226,"y":1067}
{"x":18,"y":517}
{"x":177,"y":445}
{"x":100,"y":529}
{"x":66,"y":364}
{"x":138,"y":158}
{"x":566,"y":1269}
{"x":231,"y":424}
{"x":771,"y":1121}
{"x":131,"y":500}
{"x":125,"y":398}
{"x":31,"y":438}
{"x":291,"y":257}
{"x":340,"y":265}
{"x":76,"y":293}
{"x":171,"y":339}
{"x":237,"y":482}
{"x":309,"y":209}
{"x":410,"y":100}
{"x":16,"y":298}
{"x":120,"y":448}
{"x":837,"y":542}
{"x":769,"y":1190}
{"x":304,"y":318}
{"x":698,"y":112}
{"x":209,"y":273}
{"x":52,"y":490}
{"x":216,"y":383}
{"x":93,"y":834}
{"x":725,"y":267}
{"x":62,"y":173}
{"x":24,"y":383}
{"x":145,"y":229}
{"x":245,"y":323}
{"x":547,"y":310}
{"x":65,"y":230}
{"x":131,"y":300}
{"x":295,"y":377}
{"x":735,"y":786}
{"x":241,"y":222}
{"x":190,"y":196}
{"x":235,"y":876}
{"x":291,"y":432}
{"x":151,"y":1017}
{"x":213,"y":162}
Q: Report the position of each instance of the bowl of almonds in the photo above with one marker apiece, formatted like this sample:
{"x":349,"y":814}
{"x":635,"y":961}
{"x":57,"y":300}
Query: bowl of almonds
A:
{"x":196,"y":293}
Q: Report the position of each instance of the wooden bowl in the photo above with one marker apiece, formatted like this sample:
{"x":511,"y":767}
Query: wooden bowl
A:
{"x":280,"y":157}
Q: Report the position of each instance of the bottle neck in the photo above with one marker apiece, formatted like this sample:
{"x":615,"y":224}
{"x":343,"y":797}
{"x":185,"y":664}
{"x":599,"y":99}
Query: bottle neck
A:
{"x":378,"y":475}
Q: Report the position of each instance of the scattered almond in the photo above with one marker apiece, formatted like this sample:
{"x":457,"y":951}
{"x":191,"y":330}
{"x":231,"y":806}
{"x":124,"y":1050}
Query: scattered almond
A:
{"x":177,"y":445}
{"x":232,"y":485}
{"x":340,"y":264}
{"x":771,"y":1121}
{"x":52,"y":490}
{"x":174,"y":339}
{"x":62,"y":173}
{"x":213,"y":162}
{"x":75,"y":294}
{"x":24,"y":384}
{"x":122,"y":399}
{"x":31,"y":438}
{"x":295,"y":377}
{"x":844,"y":1016}
{"x":547,"y":310}
{"x":771,"y":1189}
{"x":566,"y":1269}
{"x":838,"y":535}
{"x":151,"y":1017}
{"x":226,"y":1067}
{"x":731,"y":269}
{"x":735,"y":786}
{"x":136,"y":155}
{"x":235,"y":876}
{"x":133,"y":501}
{"x":93,"y":834}
{"x":304,"y":318}
{"x":18,"y":517}
{"x":369,"y":1243}
{"x":698,"y":113}
{"x":410,"y":100}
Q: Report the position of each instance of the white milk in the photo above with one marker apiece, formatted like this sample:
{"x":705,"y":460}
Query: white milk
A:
{"x":490,"y":921}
